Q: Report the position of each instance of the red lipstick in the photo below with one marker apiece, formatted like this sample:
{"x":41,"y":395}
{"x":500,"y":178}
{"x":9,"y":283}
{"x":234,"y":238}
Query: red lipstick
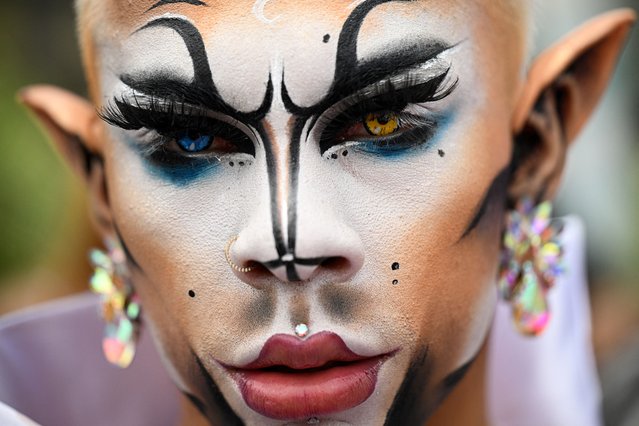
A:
{"x":294,"y":379}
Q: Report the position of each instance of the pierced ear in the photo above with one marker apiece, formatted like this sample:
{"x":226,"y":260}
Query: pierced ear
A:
{"x":563,"y":87}
{"x":76,"y":130}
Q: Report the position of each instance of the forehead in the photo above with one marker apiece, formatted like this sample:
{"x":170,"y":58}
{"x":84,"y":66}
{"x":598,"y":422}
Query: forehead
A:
{"x":247,"y":40}
{"x":216,"y":15}
{"x":128,"y":13}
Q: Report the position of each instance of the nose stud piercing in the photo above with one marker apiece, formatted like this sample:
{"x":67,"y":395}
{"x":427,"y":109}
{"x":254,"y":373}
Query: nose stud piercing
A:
{"x":301,"y":330}
{"x":233,"y":265}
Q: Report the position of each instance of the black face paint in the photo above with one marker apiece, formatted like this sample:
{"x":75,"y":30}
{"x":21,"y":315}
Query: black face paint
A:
{"x":202,"y":92}
{"x":410,"y":406}
{"x":441,"y":153}
{"x":165,"y":2}
{"x":453,"y":379}
{"x":395,"y":266}
{"x":326,"y":38}
{"x":494,"y":198}
{"x":218,"y":412}
{"x":125,"y":247}
{"x":285,"y":249}
{"x":259,"y":312}
{"x":350,"y":76}
{"x":197,"y":402}
{"x":191,"y":293}
{"x":340,"y":302}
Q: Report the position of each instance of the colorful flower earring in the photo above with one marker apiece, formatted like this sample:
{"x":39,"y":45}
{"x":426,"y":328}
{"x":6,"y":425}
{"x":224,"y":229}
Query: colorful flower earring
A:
{"x":120,"y":305}
{"x":531,"y":262}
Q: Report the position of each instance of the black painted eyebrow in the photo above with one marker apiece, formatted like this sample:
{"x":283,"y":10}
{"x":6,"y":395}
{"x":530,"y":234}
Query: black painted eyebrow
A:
{"x":370,"y":71}
{"x":161,"y":87}
{"x":377,"y":69}
{"x":202,"y":91}
{"x":165,"y":88}
{"x":165,"y":2}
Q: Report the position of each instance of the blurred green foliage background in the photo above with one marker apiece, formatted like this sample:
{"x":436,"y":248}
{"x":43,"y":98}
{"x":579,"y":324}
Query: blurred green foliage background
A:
{"x":43,"y":226}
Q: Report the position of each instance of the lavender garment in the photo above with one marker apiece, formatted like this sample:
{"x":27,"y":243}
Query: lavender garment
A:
{"x":53,"y":371}
{"x":549,"y":380}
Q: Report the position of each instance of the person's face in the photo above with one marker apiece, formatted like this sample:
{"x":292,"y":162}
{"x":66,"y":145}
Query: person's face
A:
{"x":358,"y":150}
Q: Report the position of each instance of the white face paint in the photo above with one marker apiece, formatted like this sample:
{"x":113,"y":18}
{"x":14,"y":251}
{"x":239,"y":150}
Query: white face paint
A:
{"x":358,"y":154}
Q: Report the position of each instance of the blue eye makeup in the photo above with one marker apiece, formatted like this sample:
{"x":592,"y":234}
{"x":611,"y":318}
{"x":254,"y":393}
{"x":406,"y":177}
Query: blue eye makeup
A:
{"x":388,"y":123}
{"x":182,"y":143}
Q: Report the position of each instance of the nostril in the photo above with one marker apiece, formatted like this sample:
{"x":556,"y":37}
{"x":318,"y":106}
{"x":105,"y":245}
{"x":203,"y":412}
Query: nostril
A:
{"x":336,"y":264}
{"x":259,"y":270}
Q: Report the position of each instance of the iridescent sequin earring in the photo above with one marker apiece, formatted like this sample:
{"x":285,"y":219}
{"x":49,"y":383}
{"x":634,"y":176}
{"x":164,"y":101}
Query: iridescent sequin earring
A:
{"x":120,"y":305}
{"x":531,"y":262}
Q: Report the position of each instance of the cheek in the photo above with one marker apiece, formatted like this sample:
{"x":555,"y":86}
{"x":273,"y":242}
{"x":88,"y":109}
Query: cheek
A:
{"x":176,"y":238}
{"x":456,"y":288}
{"x":442,"y":293}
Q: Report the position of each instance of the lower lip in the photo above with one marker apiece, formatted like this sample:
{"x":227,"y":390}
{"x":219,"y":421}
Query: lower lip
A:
{"x":300,"y":395}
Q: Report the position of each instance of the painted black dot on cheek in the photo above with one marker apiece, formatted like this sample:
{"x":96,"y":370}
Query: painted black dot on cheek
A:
{"x":231,"y":164}
{"x":441,"y":153}
{"x":395,"y":282}
{"x":334,"y":156}
{"x":326,"y":38}
{"x":345,"y":153}
{"x":191,"y":293}
{"x":395,"y":266}
{"x":241,"y":163}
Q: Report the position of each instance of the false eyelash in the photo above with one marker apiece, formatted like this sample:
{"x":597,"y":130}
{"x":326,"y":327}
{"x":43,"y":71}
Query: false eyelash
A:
{"x":152,"y":113}
{"x":169,"y":118}
{"x":393,"y":96}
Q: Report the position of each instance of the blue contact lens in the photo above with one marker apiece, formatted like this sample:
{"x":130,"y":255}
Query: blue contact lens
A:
{"x":194,"y":142}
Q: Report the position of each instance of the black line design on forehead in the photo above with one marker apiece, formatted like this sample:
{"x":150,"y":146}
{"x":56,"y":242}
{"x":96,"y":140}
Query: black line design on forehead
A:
{"x":352,"y":76}
{"x":201,"y":92}
{"x":165,"y":2}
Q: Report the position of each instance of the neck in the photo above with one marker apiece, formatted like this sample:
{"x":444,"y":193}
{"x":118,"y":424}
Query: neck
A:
{"x":466,"y":404}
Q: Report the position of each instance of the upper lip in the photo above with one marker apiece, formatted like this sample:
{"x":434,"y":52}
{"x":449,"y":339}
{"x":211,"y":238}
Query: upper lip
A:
{"x":283,"y":350}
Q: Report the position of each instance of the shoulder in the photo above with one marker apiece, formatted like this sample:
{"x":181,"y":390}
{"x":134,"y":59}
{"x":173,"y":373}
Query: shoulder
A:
{"x":10,"y":417}
{"x":53,"y":370}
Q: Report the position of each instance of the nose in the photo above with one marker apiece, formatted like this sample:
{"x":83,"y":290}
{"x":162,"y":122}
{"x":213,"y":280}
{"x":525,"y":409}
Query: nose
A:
{"x":316,"y":244}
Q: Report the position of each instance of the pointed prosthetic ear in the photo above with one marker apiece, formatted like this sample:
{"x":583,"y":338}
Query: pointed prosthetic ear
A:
{"x":561,"y":91}
{"x":77,"y":132}
{"x":69,"y":120}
